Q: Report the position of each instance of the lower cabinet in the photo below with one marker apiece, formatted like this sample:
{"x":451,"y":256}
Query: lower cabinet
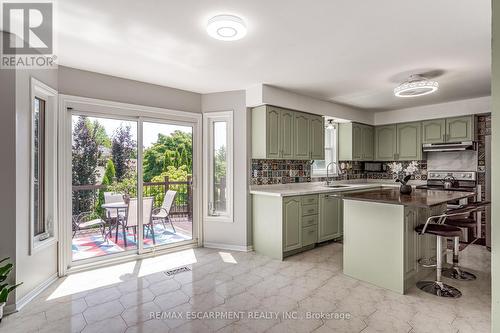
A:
{"x":284,"y":226}
{"x":330,"y":217}
{"x":292,"y":224}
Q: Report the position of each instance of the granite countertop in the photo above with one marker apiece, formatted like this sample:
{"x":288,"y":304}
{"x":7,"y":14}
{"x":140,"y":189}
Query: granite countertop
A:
{"x":285,"y":190}
{"x":418,"y":198}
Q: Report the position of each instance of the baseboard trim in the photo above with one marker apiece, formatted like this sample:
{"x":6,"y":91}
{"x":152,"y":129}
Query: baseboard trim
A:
{"x":230,"y":247}
{"x":34,"y":293}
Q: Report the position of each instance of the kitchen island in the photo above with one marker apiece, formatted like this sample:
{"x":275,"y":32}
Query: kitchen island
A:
{"x":380,"y":243}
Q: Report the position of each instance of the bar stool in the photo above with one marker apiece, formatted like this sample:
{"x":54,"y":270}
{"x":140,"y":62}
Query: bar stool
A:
{"x":437,"y":287}
{"x":462,"y":221}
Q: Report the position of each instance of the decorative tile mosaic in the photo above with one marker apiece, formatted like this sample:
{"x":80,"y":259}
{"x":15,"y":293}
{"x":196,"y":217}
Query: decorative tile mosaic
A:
{"x":265,"y":172}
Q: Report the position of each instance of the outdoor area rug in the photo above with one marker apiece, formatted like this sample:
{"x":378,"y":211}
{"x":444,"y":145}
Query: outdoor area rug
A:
{"x":93,"y":245}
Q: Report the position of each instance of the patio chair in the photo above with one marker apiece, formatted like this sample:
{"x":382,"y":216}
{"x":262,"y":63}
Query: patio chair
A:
{"x":163,"y":213}
{"x":110,"y":197}
{"x":130,"y":219}
{"x":86,"y":221}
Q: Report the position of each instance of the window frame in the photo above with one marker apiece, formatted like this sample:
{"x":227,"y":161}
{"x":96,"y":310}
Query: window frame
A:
{"x":322,"y":172}
{"x":209,"y":119}
{"x":40,"y":90}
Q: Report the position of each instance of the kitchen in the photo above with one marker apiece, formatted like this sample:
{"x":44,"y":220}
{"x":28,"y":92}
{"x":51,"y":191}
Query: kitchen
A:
{"x":446,"y":162}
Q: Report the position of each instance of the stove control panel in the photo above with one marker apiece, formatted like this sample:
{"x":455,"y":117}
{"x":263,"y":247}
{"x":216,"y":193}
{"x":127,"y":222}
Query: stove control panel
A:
{"x":458,"y":175}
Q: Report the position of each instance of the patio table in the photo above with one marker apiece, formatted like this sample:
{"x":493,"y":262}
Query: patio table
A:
{"x":118,"y":206}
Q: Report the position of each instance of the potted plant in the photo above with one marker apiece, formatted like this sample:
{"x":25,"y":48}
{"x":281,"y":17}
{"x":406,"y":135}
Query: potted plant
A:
{"x":403,"y":175}
{"x":5,"y":288}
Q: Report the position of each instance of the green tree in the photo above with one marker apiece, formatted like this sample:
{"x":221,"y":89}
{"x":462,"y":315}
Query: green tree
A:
{"x":107,"y":179}
{"x":85,"y":155}
{"x":174,"y":174}
{"x":102,"y":137}
{"x":122,"y":151}
{"x":169,"y":150}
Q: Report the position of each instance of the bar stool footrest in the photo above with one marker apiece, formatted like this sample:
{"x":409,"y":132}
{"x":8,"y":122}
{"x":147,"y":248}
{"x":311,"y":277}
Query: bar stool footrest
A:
{"x":458,"y":274}
{"x":439,"y":289}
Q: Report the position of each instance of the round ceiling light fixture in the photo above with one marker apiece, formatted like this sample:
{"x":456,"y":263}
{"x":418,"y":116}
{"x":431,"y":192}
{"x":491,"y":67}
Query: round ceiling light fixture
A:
{"x":415,"y":86}
{"x":226,"y":27}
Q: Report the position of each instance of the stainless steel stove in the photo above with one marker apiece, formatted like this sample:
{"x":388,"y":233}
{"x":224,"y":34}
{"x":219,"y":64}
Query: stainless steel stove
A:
{"x":465,"y":181}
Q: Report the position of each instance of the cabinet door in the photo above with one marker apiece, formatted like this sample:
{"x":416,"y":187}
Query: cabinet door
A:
{"x":459,"y":129}
{"x":385,"y":143}
{"x":317,"y":138}
{"x":433,"y":131}
{"x":411,"y":239}
{"x":273,"y":133}
{"x":357,"y":142}
{"x":409,"y":143}
{"x":301,"y":145}
{"x":287,"y":133}
{"x":368,"y":145}
{"x":292,"y":226}
{"x":329,"y":213}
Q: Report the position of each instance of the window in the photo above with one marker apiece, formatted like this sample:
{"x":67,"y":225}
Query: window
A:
{"x":218,"y":166}
{"x":319,"y":167}
{"x":39,"y":166}
{"x":43,"y":165}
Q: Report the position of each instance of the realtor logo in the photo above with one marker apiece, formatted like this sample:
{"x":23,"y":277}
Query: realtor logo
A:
{"x":30,"y":27}
{"x":27,"y":39}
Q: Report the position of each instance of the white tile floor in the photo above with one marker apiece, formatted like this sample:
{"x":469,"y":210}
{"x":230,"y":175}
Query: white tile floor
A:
{"x":123,"y":297}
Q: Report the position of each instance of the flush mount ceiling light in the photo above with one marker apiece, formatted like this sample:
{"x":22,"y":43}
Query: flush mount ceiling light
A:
{"x":416,"y":85}
{"x":226,"y":27}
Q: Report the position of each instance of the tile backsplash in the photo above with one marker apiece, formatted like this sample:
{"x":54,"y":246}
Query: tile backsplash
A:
{"x":265,"y":172}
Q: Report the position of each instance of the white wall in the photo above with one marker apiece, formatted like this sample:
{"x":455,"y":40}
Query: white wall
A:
{"x":94,"y":85}
{"x":237,"y":234}
{"x":442,"y":110}
{"x":8,"y":174}
{"x":495,"y":154}
{"x":265,"y":94}
{"x":40,"y":266}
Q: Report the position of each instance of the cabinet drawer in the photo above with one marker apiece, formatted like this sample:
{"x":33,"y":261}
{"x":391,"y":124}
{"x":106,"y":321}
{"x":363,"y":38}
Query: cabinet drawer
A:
{"x":309,"y":220}
{"x":309,"y":235}
{"x":310,"y":200}
{"x":309,"y":210}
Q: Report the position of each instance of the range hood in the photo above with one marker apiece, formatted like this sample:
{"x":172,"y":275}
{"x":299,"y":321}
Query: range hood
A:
{"x":457,"y":146}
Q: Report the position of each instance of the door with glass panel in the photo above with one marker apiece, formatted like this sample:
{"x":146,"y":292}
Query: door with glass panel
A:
{"x":167,"y":170}
{"x":104,"y":186}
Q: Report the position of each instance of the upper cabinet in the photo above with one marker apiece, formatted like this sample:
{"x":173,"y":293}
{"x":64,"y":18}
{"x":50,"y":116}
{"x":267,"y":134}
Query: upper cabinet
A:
{"x":355,"y":142}
{"x":409,"y":141}
{"x":460,"y":129}
{"x":316,"y":137}
{"x":385,"y":142}
{"x":454,"y":129}
{"x":434,"y":131}
{"x":279,"y":133}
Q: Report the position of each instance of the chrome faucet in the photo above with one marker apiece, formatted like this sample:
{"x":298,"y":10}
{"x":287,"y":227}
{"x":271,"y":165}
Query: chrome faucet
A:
{"x":327,"y":175}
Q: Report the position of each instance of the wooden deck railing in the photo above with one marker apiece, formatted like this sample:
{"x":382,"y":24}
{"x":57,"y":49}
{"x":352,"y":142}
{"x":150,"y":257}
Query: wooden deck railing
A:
{"x":90,"y":197}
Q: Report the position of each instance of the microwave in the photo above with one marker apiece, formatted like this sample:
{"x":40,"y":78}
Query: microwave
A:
{"x":374,"y":167}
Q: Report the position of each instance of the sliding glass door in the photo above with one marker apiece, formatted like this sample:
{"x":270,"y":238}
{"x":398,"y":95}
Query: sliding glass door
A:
{"x":167,"y":183}
{"x":132,"y":188}
{"x":104,"y":186}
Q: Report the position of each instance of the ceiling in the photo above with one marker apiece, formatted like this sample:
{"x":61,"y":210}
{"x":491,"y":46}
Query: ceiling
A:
{"x":347,"y":51}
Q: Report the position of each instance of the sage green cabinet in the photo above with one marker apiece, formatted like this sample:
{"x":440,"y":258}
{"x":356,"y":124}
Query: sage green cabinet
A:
{"x":287,"y":119}
{"x":330,"y":224}
{"x":317,"y":137}
{"x":279,"y":133}
{"x":355,"y":142}
{"x":409,"y":141}
{"x":385,"y":143}
{"x":454,"y":129}
{"x":434,"y":131}
{"x":292,"y":226}
{"x":301,"y":137}
{"x":368,"y":149}
{"x":460,"y":129}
